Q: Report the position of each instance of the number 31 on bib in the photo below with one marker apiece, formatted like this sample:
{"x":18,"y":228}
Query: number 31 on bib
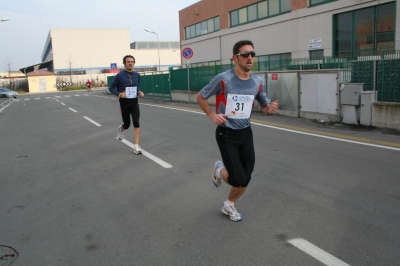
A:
{"x":239,"y":106}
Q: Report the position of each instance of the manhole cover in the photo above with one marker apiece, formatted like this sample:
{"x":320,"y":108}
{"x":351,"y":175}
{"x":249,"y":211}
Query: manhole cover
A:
{"x":7,"y":255}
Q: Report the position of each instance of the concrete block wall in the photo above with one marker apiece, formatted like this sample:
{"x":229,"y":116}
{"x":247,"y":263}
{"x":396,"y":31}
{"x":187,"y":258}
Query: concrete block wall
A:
{"x":386,"y":115}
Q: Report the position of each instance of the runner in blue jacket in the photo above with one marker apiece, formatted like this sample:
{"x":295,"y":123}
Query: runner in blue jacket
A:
{"x":126,"y":86}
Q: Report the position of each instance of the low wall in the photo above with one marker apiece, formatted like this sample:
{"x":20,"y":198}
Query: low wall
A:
{"x":386,"y":114}
{"x":182,"y":96}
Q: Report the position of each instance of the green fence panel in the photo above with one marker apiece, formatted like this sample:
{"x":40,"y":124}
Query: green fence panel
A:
{"x":363,"y":72}
{"x":179,"y":80}
{"x":198,"y":77}
{"x":155,"y":85}
{"x":388,"y":77}
{"x":109,"y":80}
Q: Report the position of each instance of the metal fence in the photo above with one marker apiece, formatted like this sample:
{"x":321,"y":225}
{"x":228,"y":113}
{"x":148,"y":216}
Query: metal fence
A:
{"x":156,"y":84}
{"x":379,"y":73}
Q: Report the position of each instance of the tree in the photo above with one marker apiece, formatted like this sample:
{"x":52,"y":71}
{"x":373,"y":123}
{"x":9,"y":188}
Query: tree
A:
{"x":69,"y":61}
{"x":8,"y":66}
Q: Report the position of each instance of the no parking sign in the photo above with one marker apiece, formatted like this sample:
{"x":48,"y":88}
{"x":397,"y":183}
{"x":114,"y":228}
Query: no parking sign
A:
{"x":187,"y":53}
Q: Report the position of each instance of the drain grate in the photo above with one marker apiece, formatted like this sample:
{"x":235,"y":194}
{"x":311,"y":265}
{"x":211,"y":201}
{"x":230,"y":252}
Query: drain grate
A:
{"x":7,"y":255}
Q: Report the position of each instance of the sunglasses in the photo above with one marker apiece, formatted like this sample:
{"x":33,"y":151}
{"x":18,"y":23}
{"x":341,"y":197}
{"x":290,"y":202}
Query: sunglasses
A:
{"x":246,"y":54}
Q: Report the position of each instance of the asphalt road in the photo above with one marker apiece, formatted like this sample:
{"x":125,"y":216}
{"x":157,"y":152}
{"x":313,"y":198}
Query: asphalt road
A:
{"x":72,"y":194}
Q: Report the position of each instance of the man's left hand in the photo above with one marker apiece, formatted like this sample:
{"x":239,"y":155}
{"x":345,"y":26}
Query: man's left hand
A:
{"x":141,"y":94}
{"x":272,"y":107}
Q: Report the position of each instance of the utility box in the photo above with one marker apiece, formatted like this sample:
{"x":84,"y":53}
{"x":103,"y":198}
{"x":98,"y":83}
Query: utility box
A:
{"x":350,"y":93}
{"x":350,"y":99}
{"x":367,"y":100}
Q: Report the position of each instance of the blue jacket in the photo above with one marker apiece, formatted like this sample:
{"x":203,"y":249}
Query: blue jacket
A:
{"x":124,"y":79}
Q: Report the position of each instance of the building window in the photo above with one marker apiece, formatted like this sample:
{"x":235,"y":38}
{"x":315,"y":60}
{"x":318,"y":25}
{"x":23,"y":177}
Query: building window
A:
{"x":319,"y":2}
{"x":316,"y":54}
{"x":260,"y":10}
{"x":273,"y":62}
{"x":201,"y":28}
{"x":365,"y":31}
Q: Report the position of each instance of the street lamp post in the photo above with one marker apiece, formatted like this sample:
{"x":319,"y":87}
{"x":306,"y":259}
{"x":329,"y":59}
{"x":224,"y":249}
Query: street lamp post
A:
{"x":158,"y":44}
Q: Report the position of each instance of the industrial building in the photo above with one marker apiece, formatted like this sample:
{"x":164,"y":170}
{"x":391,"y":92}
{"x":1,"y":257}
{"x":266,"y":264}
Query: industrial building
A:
{"x":100,"y":51}
{"x":289,"y":29}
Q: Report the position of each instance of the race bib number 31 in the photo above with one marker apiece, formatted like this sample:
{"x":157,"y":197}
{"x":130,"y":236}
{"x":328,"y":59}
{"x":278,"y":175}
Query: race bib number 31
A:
{"x":239,"y":106}
{"x":131,"y":92}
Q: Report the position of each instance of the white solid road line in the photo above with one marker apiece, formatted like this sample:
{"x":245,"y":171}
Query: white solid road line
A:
{"x":73,"y":110}
{"x":172,"y":108}
{"x":90,"y":120}
{"x":317,"y":253}
{"x":327,"y":137}
{"x":149,"y":155}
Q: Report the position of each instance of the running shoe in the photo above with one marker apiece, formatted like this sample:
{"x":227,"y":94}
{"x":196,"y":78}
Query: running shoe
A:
{"x":216,"y":175}
{"x":137,"y":150}
{"x":232,"y":213}
{"x":120,"y":133}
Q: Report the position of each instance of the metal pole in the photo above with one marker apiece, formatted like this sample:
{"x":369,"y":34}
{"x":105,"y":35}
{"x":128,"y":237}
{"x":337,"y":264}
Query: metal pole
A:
{"x":188,"y":77}
{"x":158,"y":43}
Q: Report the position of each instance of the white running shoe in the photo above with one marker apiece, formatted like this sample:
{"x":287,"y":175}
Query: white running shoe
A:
{"x":137,"y":150}
{"x":232,"y":213}
{"x":216,"y":175}
{"x":120,"y":133}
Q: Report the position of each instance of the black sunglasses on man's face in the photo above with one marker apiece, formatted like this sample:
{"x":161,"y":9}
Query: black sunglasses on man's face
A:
{"x":246,"y":54}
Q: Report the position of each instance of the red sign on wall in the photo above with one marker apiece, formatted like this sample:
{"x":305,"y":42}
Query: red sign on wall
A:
{"x":274,"y":76}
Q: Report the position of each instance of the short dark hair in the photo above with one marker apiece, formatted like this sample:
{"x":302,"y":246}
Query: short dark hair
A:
{"x":127,"y":56}
{"x":239,"y":45}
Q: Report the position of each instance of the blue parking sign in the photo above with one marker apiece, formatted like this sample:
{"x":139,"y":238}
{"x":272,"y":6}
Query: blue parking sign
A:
{"x":113,"y":65}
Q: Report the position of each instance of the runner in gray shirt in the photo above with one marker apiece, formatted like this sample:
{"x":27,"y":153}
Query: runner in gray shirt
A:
{"x":235,"y":90}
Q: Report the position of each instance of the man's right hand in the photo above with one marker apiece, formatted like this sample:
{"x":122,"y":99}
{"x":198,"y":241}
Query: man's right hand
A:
{"x":218,"y":119}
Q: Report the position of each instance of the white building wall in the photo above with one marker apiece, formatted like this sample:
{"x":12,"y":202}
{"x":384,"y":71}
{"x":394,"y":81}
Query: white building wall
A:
{"x":149,"y":58}
{"x":286,"y":33}
{"x":91,"y":49}
{"x":88,"y":48}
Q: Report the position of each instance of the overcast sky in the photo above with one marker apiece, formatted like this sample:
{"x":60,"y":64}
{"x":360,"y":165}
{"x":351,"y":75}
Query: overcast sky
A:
{"x":23,"y":36}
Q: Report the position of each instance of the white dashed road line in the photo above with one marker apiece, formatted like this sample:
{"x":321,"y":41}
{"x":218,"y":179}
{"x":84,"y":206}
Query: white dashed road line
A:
{"x":73,"y":110}
{"x":149,"y":155}
{"x":26,"y":99}
{"x":90,"y":120}
{"x":316,"y":252}
{"x":37,"y":98}
{"x":4,"y":107}
{"x":62,"y":103}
